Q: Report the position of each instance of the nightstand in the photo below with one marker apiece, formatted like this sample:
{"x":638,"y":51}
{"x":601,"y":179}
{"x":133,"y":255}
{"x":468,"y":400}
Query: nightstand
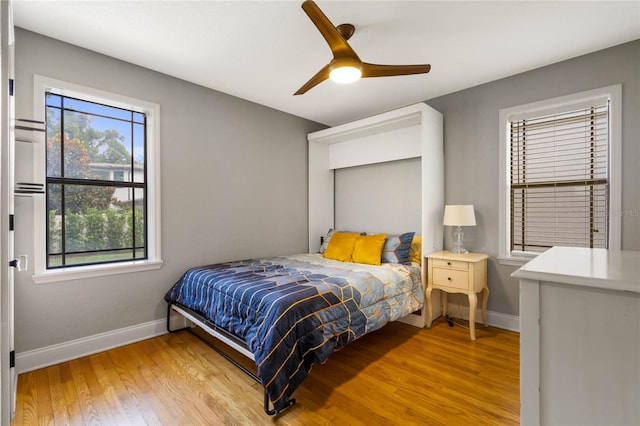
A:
{"x":458,"y":273}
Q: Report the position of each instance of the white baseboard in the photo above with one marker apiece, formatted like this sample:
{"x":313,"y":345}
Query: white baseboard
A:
{"x":494,"y":319}
{"x":504,"y":321}
{"x":55,"y":354}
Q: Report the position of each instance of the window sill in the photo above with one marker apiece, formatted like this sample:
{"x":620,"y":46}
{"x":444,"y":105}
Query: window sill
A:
{"x":515,"y":260}
{"x":82,"y":272}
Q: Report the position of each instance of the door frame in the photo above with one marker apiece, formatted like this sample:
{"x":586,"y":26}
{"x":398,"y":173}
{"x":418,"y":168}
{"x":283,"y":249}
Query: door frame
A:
{"x":7,"y":145}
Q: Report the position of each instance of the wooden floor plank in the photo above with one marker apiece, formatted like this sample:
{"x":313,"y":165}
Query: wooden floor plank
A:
{"x":56,"y":389}
{"x":203,"y":405}
{"x":114,"y":388}
{"x":211,"y":374}
{"x":89,"y":412}
{"x":26,"y":400}
{"x":43,"y":398}
{"x":397,"y":375}
{"x":158,"y":401}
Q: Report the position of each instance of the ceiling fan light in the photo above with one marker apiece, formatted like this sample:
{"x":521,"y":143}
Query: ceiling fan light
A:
{"x":345,"y":74}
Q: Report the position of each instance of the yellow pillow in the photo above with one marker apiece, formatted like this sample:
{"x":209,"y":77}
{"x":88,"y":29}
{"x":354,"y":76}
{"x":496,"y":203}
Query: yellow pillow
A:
{"x":341,"y":246}
{"x":415,"y":252}
{"x":368,"y":249}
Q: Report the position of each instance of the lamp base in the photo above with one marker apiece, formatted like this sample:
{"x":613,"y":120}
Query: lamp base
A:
{"x":458,"y":238}
{"x":460,"y":250}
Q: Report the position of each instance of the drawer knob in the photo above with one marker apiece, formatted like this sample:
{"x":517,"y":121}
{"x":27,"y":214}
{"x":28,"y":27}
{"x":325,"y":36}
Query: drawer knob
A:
{"x":449,"y":263}
{"x":449,"y":278}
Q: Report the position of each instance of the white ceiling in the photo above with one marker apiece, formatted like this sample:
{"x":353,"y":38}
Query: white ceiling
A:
{"x":264,"y":51}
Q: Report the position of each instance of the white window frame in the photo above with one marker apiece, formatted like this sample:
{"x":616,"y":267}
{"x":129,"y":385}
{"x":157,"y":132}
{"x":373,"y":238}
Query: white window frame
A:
{"x":152,"y":111}
{"x":550,"y":106}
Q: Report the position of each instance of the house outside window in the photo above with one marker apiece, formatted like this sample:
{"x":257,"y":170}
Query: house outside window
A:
{"x":560,"y":174}
{"x":118,"y":175}
{"x":101,"y":171}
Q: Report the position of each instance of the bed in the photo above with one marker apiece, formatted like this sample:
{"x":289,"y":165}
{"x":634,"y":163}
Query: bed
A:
{"x":290,"y":312}
{"x":287,"y":313}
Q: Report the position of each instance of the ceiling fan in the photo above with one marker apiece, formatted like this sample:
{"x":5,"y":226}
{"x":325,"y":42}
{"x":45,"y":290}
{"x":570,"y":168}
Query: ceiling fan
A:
{"x":346,"y":66}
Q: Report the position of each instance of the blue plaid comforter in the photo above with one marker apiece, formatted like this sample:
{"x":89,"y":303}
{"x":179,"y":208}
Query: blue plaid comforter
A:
{"x":294,"y":311}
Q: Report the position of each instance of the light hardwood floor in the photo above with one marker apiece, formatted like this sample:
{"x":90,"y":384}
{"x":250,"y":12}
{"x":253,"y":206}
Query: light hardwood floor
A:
{"x":397,"y":375}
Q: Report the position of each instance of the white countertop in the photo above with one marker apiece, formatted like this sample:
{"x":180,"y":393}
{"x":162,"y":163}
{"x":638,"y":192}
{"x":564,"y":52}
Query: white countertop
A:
{"x":599,"y":268}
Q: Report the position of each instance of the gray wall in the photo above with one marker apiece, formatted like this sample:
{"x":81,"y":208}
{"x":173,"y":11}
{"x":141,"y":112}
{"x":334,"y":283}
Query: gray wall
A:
{"x":234,"y":185}
{"x":380,"y":198}
{"x":471,"y":147}
{"x":234,"y":178}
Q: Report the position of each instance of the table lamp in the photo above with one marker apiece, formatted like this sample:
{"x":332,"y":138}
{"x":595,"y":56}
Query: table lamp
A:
{"x":459,"y":216}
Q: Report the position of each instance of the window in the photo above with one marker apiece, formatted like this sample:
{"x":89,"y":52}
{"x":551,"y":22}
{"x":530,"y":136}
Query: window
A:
{"x":559,"y":185}
{"x":92,"y":219}
{"x":101,"y":210}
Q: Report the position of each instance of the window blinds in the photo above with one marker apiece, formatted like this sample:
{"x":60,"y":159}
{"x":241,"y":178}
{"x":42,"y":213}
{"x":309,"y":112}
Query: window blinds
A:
{"x":559,"y":180}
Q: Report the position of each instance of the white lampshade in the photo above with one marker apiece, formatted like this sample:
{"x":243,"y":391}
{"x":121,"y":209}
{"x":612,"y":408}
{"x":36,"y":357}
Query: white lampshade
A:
{"x":459,"y":215}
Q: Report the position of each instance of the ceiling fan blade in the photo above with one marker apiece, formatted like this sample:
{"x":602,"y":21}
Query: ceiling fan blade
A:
{"x":337,"y":43}
{"x":320,"y":76}
{"x":374,"y":70}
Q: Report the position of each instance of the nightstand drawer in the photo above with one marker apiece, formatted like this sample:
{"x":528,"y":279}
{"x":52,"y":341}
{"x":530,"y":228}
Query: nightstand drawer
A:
{"x":451,"y":278}
{"x":451,"y":264}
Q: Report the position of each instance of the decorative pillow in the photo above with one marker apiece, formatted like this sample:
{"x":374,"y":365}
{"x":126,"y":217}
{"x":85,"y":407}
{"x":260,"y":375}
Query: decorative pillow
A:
{"x":341,"y":246}
{"x":415,"y":252}
{"x":325,"y":241}
{"x":396,"y":248}
{"x":368,"y":249}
